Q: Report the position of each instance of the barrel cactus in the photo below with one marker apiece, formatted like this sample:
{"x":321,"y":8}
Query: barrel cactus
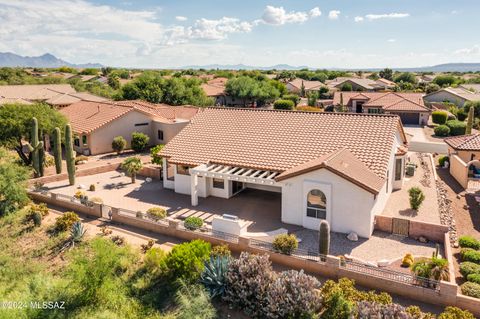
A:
{"x":37,"y":218}
{"x":324,"y":238}
{"x":70,"y":154}
{"x":57,"y":149}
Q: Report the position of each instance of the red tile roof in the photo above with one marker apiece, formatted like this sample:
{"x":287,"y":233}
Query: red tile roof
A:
{"x":281,"y":140}
{"x":341,"y":162}
{"x":391,"y":101}
{"x":464,"y":142}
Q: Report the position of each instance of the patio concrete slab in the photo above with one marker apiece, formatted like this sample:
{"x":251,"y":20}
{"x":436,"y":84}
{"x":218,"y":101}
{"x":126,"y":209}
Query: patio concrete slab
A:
{"x":398,"y":204}
{"x":262,"y":209}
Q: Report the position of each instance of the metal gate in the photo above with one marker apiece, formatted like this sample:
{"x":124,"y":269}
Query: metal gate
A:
{"x":400,"y":226}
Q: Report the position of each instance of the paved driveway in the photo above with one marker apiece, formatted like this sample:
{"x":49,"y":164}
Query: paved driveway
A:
{"x":420,"y":143}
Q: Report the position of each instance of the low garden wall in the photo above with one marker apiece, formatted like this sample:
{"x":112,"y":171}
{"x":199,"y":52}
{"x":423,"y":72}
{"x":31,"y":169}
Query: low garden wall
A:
{"x":433,"y":232}
{"x":444,"y":293}
{"x":459,"y":170}
{"x":68,"y":202}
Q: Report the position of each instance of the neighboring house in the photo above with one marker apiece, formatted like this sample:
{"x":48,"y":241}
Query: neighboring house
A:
{"x":314,"y":160}
{"x":426,"y":78}
{"x":474,"y":87}
{"x":362,"y":84}
{"x":58,"y":95}
{"x":95,"y":124}
{"x":215,"y":88}
{"x":295,"y":86}
{"x":464,"y":155}
{"x":409,"y":106}
{"x":458,"y":96}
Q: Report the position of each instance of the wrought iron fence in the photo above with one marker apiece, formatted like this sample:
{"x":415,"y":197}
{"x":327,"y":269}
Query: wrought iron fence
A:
{"x":389,"y":274}
{"x":299,"y":252}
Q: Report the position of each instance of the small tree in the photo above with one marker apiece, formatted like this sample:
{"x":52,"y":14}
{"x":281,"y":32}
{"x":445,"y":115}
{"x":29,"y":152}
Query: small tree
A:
{"x":132,"y":166}
{"x":156,"y":159}
{"x":416,"y":197}
{"x":302,"y":90}
{"x":139,"y":141}
{"x":468,"y":130}
{"x":346,"y":87}
{"x":119,"y":144}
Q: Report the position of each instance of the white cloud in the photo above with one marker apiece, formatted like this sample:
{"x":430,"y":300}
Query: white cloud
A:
{"x":278,"y":16}
{"x":333,"y":14}
{"x":386,"y":16}
{"x":218,"y":29}
{"x":392,"y":40}
{"x":181,"y":18}
{"x":358,"y":19}
{"x":475,"y":50}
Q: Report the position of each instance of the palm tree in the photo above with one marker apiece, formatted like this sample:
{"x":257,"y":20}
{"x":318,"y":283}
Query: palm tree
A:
{"x":132,"y":166}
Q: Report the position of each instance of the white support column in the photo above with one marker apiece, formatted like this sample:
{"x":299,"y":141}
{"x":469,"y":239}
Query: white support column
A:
{"x":194,"y":189}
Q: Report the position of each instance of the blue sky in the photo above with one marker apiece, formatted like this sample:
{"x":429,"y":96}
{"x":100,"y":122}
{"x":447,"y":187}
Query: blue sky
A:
{"x":148,"y":33}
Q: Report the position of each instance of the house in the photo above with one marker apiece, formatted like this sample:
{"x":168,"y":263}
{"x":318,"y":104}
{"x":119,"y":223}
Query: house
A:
{"x":66,"y":99}
{"x":464,"y":158}
{"x":472,"y":87}
{"x":425,"y":78}
{"x":95,"y":124}
{"x":215,"y":88}
{"x":314,"y":160}
{"x":458,"y":96}
{"x":361,"y":84}
{"x":295,"y":86}
{"x":409,"y":106}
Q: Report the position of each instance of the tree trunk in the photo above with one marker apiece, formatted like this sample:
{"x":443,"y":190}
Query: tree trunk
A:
{"x":133,"y":178}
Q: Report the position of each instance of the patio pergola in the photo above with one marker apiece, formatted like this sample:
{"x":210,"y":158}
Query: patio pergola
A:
{"x":233,"y":173}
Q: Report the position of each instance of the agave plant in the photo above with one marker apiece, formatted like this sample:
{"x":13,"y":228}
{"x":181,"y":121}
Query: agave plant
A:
{"x":213,"y":276}
{"x":77,"y":232}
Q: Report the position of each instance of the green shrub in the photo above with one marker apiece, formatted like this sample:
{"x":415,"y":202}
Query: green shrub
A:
{"x":66,"y":221}
{"x":193,"y":223}
{"x":474,"y":278}
{"x":292,"y":97}
{"x":119,"y":144}
{"x":407,"y":260}
{"x":470,"y":289}
{"x":156,"y":159}
{"x":283,"y":105}
{"x":439,"y":117}
{"x":469,"y":242}
{"x":441,"y":130}
{"x":347,"y":287}
{"x":221,"y":250}
{"x":470,"y":255}
{"x":37,"y":218}
{"x":154,"y":260}
{"x":39,"y":208}
{"x":461,"y":115}
{"x":442,"y":160}
{"x":467,"y":268}
{"x":139,"y":141}
{"x":455,"y":313}
{"x":194,"y":302}
{"x":156,"y":213}
{"x":456,"y":127}
{"x":285,"y":244}
{"x":475,"y":105}
{"x":186,"y":261}
{"x":336,"y":306}
{"x":346,"y":87}
{"x":416,"y":197}
{"x":92,"y":187}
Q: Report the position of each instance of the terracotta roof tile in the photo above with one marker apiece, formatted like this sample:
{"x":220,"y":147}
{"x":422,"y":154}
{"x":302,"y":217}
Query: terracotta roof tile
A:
{"x":391,"y":101}
{"x":280,"y":140}
{"x":464,"y":142}
{"x":309,"y":85}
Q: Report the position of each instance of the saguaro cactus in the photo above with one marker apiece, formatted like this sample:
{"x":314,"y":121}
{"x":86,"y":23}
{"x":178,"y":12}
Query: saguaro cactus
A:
{"x":324,"y":238}
{"x":57,"y":149}
{"x":70,"y":154}
{"x":36,"y":149}
{"x":471,"y":114}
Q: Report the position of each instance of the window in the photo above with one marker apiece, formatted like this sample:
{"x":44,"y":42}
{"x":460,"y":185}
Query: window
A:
{"x":218,"y":183}
{"x":316,"y":204}
{"x":170,"y":172}
{"x":183,"y":170}
{"x":76,"y":142}
{"x":141,"y":124}
{"x":160,"y":135}
{"x":398,"y":169}
{"x":375,"y":111}
{"x":84,"y":139}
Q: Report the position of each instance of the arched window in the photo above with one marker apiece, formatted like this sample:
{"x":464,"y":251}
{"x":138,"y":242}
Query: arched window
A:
{"x":316,"y":204}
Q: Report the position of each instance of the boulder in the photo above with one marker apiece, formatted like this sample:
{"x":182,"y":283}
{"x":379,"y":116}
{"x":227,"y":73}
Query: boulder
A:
{"x":148,"y":179}
{"x":352,"y":236}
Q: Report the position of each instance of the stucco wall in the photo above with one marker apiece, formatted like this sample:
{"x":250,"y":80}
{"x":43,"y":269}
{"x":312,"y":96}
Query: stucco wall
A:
{"x":442,"y":96}
{"x":459,"y":170}
{"x":170,"y":130}
{"x":101,"y":139}
{"x":344,"y":215}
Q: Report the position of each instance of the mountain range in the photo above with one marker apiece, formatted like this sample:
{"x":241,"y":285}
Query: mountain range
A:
{"x":8,"y":59}
{"x":48,"y":60}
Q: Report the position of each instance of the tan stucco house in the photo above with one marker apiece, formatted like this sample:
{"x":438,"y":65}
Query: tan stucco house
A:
{"x":464,"y":158}
{"x":408,"y":106}
{"x":314,"y":160}
{"x":458,"y":96}
{"x":95,"y":124}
